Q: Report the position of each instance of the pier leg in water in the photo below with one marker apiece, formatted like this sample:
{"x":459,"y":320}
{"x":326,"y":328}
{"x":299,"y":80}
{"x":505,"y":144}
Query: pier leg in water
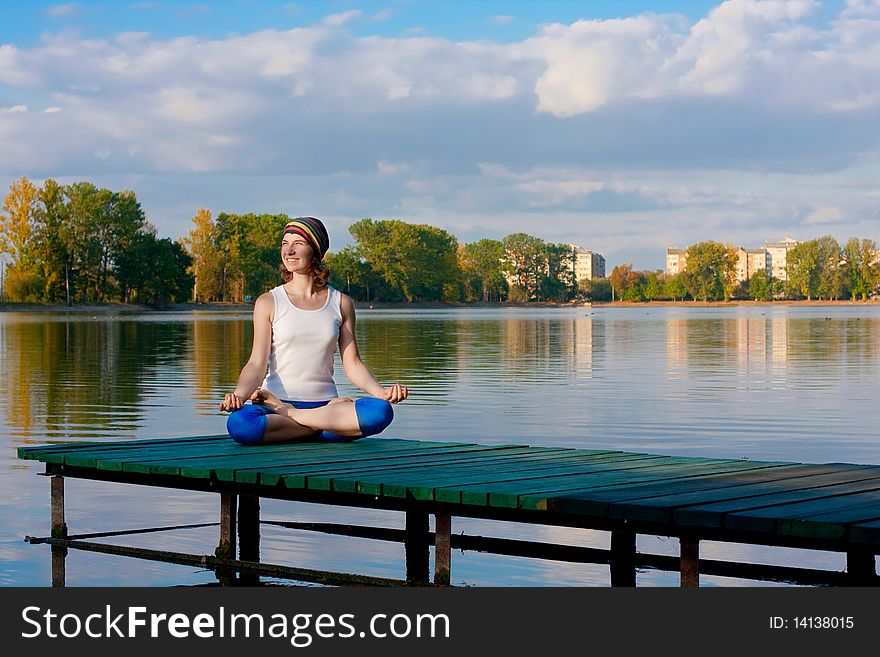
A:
{"x":226,"y":548}
{"x":623,"y":558}
{"x":59,"y":530}
{"x":442,"y":556}
{"x":249,"y":535}
{"x":417,"y":547}
{"x":690,"y":561}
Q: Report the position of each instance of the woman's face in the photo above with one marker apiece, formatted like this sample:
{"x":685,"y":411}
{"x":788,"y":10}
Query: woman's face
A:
{"x":296,"y":253}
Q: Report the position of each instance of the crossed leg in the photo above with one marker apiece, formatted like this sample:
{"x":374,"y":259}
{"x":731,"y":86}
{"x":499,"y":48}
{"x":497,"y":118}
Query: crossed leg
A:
{"x":289,"y":423}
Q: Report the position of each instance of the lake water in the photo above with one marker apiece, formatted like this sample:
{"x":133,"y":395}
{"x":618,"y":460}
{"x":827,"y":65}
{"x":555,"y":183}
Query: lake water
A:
{"x":778,"y":383}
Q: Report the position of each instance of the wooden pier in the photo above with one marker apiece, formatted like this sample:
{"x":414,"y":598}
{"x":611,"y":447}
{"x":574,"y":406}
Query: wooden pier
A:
{"x":832,"y":506}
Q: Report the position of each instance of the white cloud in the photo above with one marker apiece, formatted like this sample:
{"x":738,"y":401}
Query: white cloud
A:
{"x":337,"y":20}
{"x":501,"y":19}
{"x":759,"y":118}
{"x":62,"y":11}
{"x":390,"y":168}
{"x":824,"y":215}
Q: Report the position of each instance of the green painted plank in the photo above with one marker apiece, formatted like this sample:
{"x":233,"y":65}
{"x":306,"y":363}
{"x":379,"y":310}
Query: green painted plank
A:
{"x":481,"y":494}
{"x":366,"y":463}
{"x":201,"y":468}
{"x":511,"y":499}
{"x":762,"y":472}
{"x":325,"y":481}
{"x":865,"y":532}
{"x":777,"y":518}
{"x":317,"y":453}
{"x":395,"y":482}
{"x":35,"y":452}
{"x":363,"y":462}
{"x":595,"y":500}
{"x":86,"y":454}
{"x":830,"y":526}
{"x":760,"y":513}
{"x":421,"y":485}
{"x":477,"y":494}
{"x":216,"y":450}
{"x":89,"y":458}
{"x":662,"y":508}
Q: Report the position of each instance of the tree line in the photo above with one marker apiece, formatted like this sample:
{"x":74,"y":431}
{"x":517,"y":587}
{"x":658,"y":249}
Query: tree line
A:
{"x":77,"y":243}
{"x":818,"y":269}
{"x":235,"y":258}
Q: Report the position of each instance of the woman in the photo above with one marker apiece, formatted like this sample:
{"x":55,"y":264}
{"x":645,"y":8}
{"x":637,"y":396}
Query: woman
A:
{"x":297,"y":327}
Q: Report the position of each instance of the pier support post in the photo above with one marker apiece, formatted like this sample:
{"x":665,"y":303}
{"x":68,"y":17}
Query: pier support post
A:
{"x":249,"y":535}
{"x":226,"y":547}
{"x":861,"y":569}
{"x":442,"y":556}
{"x":417,"y":547}
{"x":59,"y":530}
{"x":623,"y":558}
{"x":690,"y":561}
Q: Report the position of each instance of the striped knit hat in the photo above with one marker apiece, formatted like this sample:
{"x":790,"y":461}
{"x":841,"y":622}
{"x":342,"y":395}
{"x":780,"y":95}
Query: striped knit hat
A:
{"x":313,"y":230}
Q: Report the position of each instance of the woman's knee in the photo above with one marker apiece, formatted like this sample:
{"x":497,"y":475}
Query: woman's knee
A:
{"x":247,"y":425}
{"x":373,"y":415}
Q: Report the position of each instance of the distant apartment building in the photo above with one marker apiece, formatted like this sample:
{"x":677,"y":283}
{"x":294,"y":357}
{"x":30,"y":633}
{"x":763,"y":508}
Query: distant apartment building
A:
{"x":587,"y":264}
{"x":771,"y":258}
{"x":748,"y":261}
{"x":676,"y":261}
{"x":777,"y":254}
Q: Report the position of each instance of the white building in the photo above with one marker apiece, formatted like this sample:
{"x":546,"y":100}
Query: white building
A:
{"x":676,"y":260}
{"x":777,"y":254}
{"x":587,"y":264}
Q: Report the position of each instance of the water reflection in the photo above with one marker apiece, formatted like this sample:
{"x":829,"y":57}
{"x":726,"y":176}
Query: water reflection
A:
{"x":795,"y":351}
{"x":766,"y":383}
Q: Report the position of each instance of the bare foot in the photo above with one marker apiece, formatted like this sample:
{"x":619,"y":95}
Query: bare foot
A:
{"x":263,"y":396}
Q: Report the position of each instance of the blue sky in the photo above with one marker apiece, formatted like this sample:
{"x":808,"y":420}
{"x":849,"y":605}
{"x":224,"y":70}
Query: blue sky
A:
{"x":624,"y":127}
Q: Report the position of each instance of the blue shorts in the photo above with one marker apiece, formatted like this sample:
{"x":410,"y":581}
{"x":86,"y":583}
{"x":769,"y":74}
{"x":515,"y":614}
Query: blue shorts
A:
{"x":248,"y":424}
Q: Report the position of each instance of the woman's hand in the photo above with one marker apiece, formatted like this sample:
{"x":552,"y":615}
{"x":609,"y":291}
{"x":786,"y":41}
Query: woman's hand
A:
{"x":231,"y":402}
{"x":395,"y":393}
{"x":263,"y":396}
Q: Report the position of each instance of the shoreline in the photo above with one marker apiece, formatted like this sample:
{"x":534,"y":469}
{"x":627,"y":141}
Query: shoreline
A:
{"x":438,"y":305}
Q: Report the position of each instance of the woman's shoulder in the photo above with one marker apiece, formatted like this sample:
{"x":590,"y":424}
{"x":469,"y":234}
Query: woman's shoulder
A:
{"x":345,"y":301}
{"x":266,"y":301}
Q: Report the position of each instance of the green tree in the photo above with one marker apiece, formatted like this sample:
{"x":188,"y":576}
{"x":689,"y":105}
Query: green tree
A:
{"x":53,"y":241}
{"x":711,"y":271}
{"x":415,"y":259}
{"x":597,"y":289}
{"x":635,"y":286}
{"x":202,"y":244}
{"x":860,"y":270}
{"x":831,"y":280}
{"x":674,"y":287}
{"x":18,"y":232}
{"x":556,"y":277}
{"x":804,"y":269}
{"x":482,"y":270}
{"x":350,"y":273}
{"x":524,"y":261}
{"x":761,"y":286}
{"x":653,"y":286}
{"x":620,"y":280}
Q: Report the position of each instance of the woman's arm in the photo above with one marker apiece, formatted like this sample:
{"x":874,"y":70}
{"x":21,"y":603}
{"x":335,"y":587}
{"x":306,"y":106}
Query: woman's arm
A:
{"x":355,"y":368}
{"x":254,"y":371}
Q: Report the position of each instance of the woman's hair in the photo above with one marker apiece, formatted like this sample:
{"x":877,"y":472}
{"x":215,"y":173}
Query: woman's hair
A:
{"x":319,"y":271}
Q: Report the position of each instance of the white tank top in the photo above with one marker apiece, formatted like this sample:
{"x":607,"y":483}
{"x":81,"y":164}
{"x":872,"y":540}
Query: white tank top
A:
{"x":303,"y":345}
